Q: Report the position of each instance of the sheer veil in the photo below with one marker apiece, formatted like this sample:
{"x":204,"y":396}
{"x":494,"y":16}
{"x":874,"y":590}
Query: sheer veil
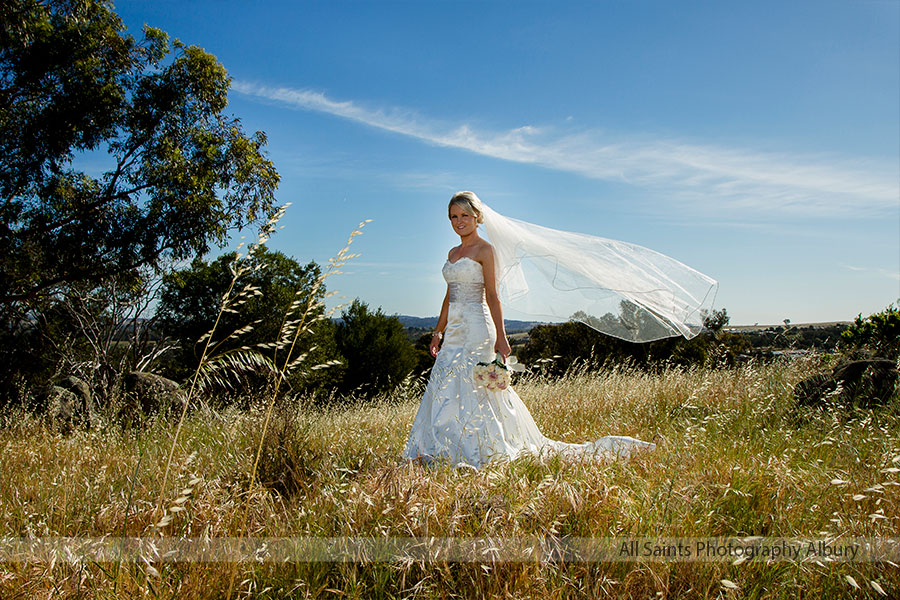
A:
{"x":620,"y":289}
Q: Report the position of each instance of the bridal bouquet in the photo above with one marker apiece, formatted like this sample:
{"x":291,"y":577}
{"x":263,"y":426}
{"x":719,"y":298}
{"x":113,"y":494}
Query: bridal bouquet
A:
{"x":495,"y":375}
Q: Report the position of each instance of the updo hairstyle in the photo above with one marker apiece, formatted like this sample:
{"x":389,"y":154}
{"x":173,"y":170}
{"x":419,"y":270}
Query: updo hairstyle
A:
{"x":469,"y":202}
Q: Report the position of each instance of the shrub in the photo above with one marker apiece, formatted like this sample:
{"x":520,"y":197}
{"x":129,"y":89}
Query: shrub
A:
{"x":377,"y":353}
{"x":190,"y":302}
{"x":877,"y":335}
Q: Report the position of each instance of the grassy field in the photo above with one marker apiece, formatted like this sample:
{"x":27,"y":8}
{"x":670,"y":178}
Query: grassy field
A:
{"x":734,"y":458}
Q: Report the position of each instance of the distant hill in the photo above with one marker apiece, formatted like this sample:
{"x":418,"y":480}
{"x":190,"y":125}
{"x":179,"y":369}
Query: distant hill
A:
{"x":417,"y":322}
{"x":512,"y":326}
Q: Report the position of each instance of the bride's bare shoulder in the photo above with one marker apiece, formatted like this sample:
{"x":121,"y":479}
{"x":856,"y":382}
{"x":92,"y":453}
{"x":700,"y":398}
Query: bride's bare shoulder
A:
{"x":485,"y":252}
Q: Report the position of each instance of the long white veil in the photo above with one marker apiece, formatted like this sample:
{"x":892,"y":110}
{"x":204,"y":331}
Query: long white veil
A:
{"x":620,"y":289}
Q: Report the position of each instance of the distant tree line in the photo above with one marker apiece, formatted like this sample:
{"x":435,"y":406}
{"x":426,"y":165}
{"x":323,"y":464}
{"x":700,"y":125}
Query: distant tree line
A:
{"x":556,"y":348}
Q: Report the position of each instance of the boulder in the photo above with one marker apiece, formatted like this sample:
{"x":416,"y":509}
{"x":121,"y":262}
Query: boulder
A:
{"x":863,"y":383}
{"x":83,"y":408}
{"x":60,"y":408}
{"x":150,"y":394}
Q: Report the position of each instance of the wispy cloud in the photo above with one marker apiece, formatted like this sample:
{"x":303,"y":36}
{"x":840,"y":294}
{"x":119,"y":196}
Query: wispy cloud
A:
{"x":875,"y":271}
{"x":704,"y":175}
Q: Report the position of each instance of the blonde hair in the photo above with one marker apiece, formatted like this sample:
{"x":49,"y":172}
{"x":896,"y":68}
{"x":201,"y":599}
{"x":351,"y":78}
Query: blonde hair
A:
{"x":469,"y":202}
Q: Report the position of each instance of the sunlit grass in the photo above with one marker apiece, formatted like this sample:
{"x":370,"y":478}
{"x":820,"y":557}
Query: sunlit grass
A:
{"x":734,"y":458}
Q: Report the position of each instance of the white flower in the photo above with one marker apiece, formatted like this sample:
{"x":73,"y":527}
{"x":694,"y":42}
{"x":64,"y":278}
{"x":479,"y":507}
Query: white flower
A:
{"x":493,"y":376}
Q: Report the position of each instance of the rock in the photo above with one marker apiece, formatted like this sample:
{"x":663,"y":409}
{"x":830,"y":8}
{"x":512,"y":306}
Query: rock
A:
{"x":813,"y":390}
{"x":83,"y":408}
{"x":150,"y":394}
{"x":868,"y":382}
{"x":863,"y":383}
{"x":61,"y":408}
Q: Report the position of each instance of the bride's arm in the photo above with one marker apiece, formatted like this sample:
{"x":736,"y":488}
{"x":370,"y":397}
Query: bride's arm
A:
{"x":493,"y":302}
{"x":441,"y":324}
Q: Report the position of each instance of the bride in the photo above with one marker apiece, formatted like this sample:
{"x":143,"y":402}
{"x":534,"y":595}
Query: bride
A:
{"x":465,"y":423}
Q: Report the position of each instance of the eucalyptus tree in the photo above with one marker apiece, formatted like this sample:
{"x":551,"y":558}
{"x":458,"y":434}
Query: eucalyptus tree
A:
{"x":116,"y":155}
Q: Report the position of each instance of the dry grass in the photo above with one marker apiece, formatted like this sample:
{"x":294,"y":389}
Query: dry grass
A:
{"x":733,"y":459}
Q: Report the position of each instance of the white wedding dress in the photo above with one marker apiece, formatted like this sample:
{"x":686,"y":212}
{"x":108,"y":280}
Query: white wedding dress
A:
{"x":466,"y":424}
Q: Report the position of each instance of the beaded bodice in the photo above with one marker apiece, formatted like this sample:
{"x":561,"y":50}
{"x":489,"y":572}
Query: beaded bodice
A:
{"x":465,"y":281}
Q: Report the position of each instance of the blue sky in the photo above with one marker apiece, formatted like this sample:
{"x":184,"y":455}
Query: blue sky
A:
{"x":758,"y":142}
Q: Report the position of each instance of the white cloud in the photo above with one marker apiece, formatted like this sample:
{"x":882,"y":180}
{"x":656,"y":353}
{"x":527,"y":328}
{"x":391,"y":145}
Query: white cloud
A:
{"x":704,"y":176}
{"x":875,"y":271}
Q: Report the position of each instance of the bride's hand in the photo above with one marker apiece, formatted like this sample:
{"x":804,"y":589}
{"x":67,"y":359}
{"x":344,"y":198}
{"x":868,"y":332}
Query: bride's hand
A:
{"x":435,"y":345}
{"x":502,"y":347}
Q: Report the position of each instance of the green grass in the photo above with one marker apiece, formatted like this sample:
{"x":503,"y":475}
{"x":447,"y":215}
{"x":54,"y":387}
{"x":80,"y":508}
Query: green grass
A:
{"x":734,"y":458}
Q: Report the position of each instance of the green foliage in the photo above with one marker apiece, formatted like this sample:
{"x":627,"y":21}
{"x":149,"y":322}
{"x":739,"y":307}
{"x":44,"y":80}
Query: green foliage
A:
{"x":877,"y":335}
{"x":271,"y":283}
{"x":763,"y":342}
{"x":178,"y":175}
{"x":717,"y":320}
{"x":625,"y":325}
{"x":89,"y":332}
{"x":26,"y":352}
{"x":376,"y":351}
{"x":557,"y":347}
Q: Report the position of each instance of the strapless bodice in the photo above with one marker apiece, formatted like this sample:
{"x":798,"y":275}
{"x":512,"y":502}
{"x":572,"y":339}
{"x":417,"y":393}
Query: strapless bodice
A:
{"x":469,"y":321}
{"x":465,"y":281}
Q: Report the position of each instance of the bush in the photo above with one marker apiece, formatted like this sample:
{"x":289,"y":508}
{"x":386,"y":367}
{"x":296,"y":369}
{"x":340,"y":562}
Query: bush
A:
{"x":558,"y":347}
{"x":377,"y":353}
{"x":190,"y":302}
{"x":876,"y":336}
